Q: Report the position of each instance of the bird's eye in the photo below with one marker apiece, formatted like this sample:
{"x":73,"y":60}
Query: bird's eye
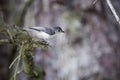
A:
{"x":59,"y":30}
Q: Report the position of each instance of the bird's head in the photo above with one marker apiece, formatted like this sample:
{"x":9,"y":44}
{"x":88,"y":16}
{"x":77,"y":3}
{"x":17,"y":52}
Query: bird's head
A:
{"x":58,"y":29}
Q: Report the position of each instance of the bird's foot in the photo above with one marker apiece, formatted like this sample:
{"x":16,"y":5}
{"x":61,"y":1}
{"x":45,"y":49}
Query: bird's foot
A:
{"x":44,"y":42}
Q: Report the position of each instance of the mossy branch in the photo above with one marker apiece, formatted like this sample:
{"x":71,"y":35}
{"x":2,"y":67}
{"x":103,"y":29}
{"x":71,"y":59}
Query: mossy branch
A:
{"x":21,"y":51}
{"x":17,"y":36}
{"x":4,"y":41}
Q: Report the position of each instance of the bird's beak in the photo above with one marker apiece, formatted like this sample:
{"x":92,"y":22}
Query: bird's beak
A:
{"x":63,"y":31}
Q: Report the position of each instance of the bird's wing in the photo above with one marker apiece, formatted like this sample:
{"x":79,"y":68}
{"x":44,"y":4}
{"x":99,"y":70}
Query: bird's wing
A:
{"x":34,"y":29}
{"x":37,"y":28}
{"x":45,"y":29}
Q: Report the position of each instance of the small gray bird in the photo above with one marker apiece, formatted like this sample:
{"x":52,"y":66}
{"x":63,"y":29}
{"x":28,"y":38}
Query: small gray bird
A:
{"x":43,"y":33}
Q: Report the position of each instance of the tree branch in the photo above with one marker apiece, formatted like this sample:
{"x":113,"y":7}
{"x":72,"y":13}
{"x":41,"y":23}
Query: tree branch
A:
{"x":21,"y":15}
{"x":113,"y":11}
{"x":4,"y":41}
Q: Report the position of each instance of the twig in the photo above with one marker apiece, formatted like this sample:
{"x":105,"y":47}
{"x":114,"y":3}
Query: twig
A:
{"x":18,"y":62}
{"x":113,"y":11}
{"x":21,"y":15}
{"x":10,"y":35}
{"x":14,"y":61}
{"x":3,"y":41}
{"x":94,"y":2}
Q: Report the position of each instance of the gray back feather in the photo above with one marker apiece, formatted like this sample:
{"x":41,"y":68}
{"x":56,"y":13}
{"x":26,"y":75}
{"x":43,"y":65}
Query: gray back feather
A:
{"x":45,"y":29}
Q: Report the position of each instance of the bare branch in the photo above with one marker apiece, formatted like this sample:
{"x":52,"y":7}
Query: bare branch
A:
{"x":113,"y":11}
{"x":94,"y":2}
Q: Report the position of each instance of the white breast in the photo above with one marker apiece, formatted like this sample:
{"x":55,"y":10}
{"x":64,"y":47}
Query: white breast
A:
{"x":37,"y":35}
{"x":43,"y":35}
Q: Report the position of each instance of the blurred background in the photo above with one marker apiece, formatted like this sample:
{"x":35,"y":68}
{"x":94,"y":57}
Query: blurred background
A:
{"x":88,"y":50}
